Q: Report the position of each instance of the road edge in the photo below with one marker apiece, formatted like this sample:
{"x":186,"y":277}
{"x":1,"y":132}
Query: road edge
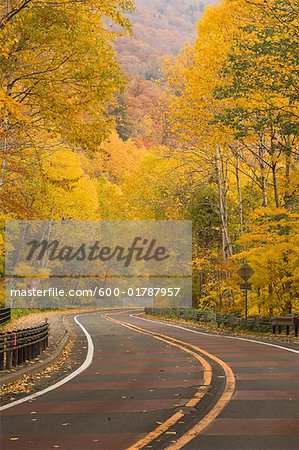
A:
{"x":86,"y":363}
{"x":192,"y":330}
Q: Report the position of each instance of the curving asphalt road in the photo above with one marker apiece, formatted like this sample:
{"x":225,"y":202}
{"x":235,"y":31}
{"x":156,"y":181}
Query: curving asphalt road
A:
{"x":159,"y":386}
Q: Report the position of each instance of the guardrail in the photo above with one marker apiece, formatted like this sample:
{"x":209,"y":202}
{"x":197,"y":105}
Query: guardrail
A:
{"x":19,"y":346}
{"x":5,"y":315}
{"x":231,"y":321}
{"x":287,"y":322}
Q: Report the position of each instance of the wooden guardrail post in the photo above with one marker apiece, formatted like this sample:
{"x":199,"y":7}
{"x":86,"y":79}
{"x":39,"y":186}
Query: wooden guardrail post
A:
{"x":286,"y":322}
{"x":20,"y":345}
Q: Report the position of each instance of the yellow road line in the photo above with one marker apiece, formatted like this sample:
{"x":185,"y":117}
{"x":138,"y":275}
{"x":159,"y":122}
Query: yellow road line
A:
{"x":218,"y":407}
{"x":207,"y":378}
{"x":157,"y":431}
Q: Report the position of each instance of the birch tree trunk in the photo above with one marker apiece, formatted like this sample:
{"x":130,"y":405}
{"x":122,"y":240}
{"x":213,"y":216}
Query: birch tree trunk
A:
{"x":275,"y":184}
{"x":288,"y":162}
{"x":221,"y":177}
{"x":263,"y":177}
{"x":240,"y":196}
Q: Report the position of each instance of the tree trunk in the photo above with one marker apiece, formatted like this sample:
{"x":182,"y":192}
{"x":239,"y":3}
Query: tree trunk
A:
{"x":4,"y":163}
{"x":240,"y":196}
{"x":222,"y":190}
{"x":275,"y":185}
{"x":263,"y":177}
{"x":288,"y":161}
{"x":5,"y":126}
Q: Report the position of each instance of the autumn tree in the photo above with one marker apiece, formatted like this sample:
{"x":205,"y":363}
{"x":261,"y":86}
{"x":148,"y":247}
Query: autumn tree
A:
{"x":271,"y":247}
{"x":233,"y":102}
{"x":260,"y":92}
{"x":58,"y":76}
{"x":204,"y":145}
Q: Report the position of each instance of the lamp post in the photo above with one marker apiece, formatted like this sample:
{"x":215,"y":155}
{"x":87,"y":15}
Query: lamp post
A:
{"x":245,"y":272}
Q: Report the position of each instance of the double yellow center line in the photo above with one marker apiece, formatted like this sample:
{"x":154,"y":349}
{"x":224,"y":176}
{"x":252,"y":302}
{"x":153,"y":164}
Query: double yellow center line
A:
{"x":207,"y":379}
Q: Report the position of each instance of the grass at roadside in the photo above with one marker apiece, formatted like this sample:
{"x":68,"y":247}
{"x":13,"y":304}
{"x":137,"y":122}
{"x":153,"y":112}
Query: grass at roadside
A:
{"x":213,"y":328}
{"x":16,"y":313}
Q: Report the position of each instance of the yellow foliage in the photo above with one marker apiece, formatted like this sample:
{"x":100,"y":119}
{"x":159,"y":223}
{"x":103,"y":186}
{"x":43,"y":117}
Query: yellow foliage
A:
{"x":70,"y":193}
{"x":119,"y":157}
{"x":273,"y":252}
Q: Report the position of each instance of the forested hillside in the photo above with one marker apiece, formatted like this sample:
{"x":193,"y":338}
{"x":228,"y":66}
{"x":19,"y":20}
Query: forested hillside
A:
{"x":161,"y":27}
{"x":160,"y":30}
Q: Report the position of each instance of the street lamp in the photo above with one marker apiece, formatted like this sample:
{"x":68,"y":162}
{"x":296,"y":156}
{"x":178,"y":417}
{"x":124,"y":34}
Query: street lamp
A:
{"x":245,"y":272}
